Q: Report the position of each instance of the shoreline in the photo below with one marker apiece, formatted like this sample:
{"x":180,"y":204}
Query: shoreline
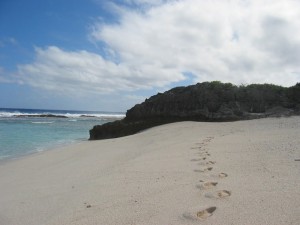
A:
{"x":53,"y":147}
{"x":242,"y":172}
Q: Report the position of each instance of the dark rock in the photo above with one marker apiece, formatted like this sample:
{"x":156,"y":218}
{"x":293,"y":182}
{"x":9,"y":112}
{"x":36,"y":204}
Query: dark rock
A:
{"x":208,"y":101}
{"x":123,"y":127}
{"x":41,"y":116}
{"x":87,"y":116}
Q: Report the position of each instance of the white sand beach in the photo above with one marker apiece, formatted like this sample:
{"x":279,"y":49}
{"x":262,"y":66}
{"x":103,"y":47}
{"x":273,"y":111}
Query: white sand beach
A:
{"x":245,"y":172}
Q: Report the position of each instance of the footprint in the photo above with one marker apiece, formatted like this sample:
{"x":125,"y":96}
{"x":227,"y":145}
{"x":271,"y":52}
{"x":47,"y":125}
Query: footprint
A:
{"x":210,"y":162}
{"x":223,"y":193}
{"x":87,"y":205}
{"x":202,"y":164}
{"x":207,"y":185}
{"x":189,"y":216}
{"x":222,"y":175}
{"x":195,"y":160}
{"x":199,"y":171}
{"x":204,"y":214}
{"x":210,"y":184}
{"x":202,"y":150}
{"x":207,"y":140}
{"x":203,"y":170}
{"x":219,"y":194}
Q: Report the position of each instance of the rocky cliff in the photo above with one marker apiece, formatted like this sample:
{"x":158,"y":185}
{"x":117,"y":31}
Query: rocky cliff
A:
{"x":208,"y":101}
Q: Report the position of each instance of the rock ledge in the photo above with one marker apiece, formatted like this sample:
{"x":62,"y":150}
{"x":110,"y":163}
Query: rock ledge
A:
{"x":208,"y":101}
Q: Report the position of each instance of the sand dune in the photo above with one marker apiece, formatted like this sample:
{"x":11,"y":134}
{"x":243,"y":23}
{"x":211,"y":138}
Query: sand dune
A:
{"x":245,"y":172}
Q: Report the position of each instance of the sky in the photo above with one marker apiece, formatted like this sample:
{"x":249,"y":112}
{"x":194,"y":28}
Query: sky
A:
{"x":110,"y":55}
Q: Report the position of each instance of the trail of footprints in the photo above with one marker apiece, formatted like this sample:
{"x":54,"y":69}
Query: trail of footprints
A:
{"x":208,"y":187}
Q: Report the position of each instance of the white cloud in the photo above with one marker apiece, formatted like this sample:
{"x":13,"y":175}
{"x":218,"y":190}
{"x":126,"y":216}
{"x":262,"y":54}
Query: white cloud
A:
{"x":237,"y":41}
{"x":142,"y":2}
{"x":82,"y":71}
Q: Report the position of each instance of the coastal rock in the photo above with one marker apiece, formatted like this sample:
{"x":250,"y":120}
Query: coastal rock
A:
{"x":41,"y":116}
{"x":208,"y":101}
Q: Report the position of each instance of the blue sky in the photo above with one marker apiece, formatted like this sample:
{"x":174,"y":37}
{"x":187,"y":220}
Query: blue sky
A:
{"x":110,"y":55}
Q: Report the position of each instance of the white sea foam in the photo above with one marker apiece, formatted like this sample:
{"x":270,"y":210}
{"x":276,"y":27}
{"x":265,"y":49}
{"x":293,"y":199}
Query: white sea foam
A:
{"x":102,"y":115}
{"x":17,"y":114}
{"x":69,"y":115}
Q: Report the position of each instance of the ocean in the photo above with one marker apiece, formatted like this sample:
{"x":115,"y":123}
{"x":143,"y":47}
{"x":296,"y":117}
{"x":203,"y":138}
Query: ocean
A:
{"x":26,"y":131}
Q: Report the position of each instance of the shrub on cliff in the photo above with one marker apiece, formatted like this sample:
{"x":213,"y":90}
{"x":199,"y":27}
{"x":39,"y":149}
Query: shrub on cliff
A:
{"x":294,"y":93}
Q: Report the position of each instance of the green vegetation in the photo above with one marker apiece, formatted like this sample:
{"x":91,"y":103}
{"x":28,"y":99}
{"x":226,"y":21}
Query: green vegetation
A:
{"x":293,"y":93}
{"x":254,"y":98}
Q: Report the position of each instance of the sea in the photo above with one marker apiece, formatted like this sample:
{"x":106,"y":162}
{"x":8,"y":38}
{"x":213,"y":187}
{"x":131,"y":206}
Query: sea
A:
{"x":27,"y":131}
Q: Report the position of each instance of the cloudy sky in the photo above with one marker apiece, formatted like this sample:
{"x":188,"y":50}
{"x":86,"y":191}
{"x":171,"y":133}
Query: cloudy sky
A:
{"x":109,"y":55}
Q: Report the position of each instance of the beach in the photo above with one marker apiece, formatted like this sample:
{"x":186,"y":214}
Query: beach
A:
{"x":243,"y":172}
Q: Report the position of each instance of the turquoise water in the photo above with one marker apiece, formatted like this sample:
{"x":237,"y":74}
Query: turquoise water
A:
{"x":22,"y":134}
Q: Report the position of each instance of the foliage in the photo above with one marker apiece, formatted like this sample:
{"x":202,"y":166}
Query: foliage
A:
{"x":294,"y":93}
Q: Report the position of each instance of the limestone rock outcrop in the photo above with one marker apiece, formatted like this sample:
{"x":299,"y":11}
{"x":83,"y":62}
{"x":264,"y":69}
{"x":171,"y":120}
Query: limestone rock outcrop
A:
{"x":208,"y":101}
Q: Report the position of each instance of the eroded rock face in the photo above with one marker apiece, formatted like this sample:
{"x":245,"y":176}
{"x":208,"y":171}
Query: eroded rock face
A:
{"x":208,"y":101}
